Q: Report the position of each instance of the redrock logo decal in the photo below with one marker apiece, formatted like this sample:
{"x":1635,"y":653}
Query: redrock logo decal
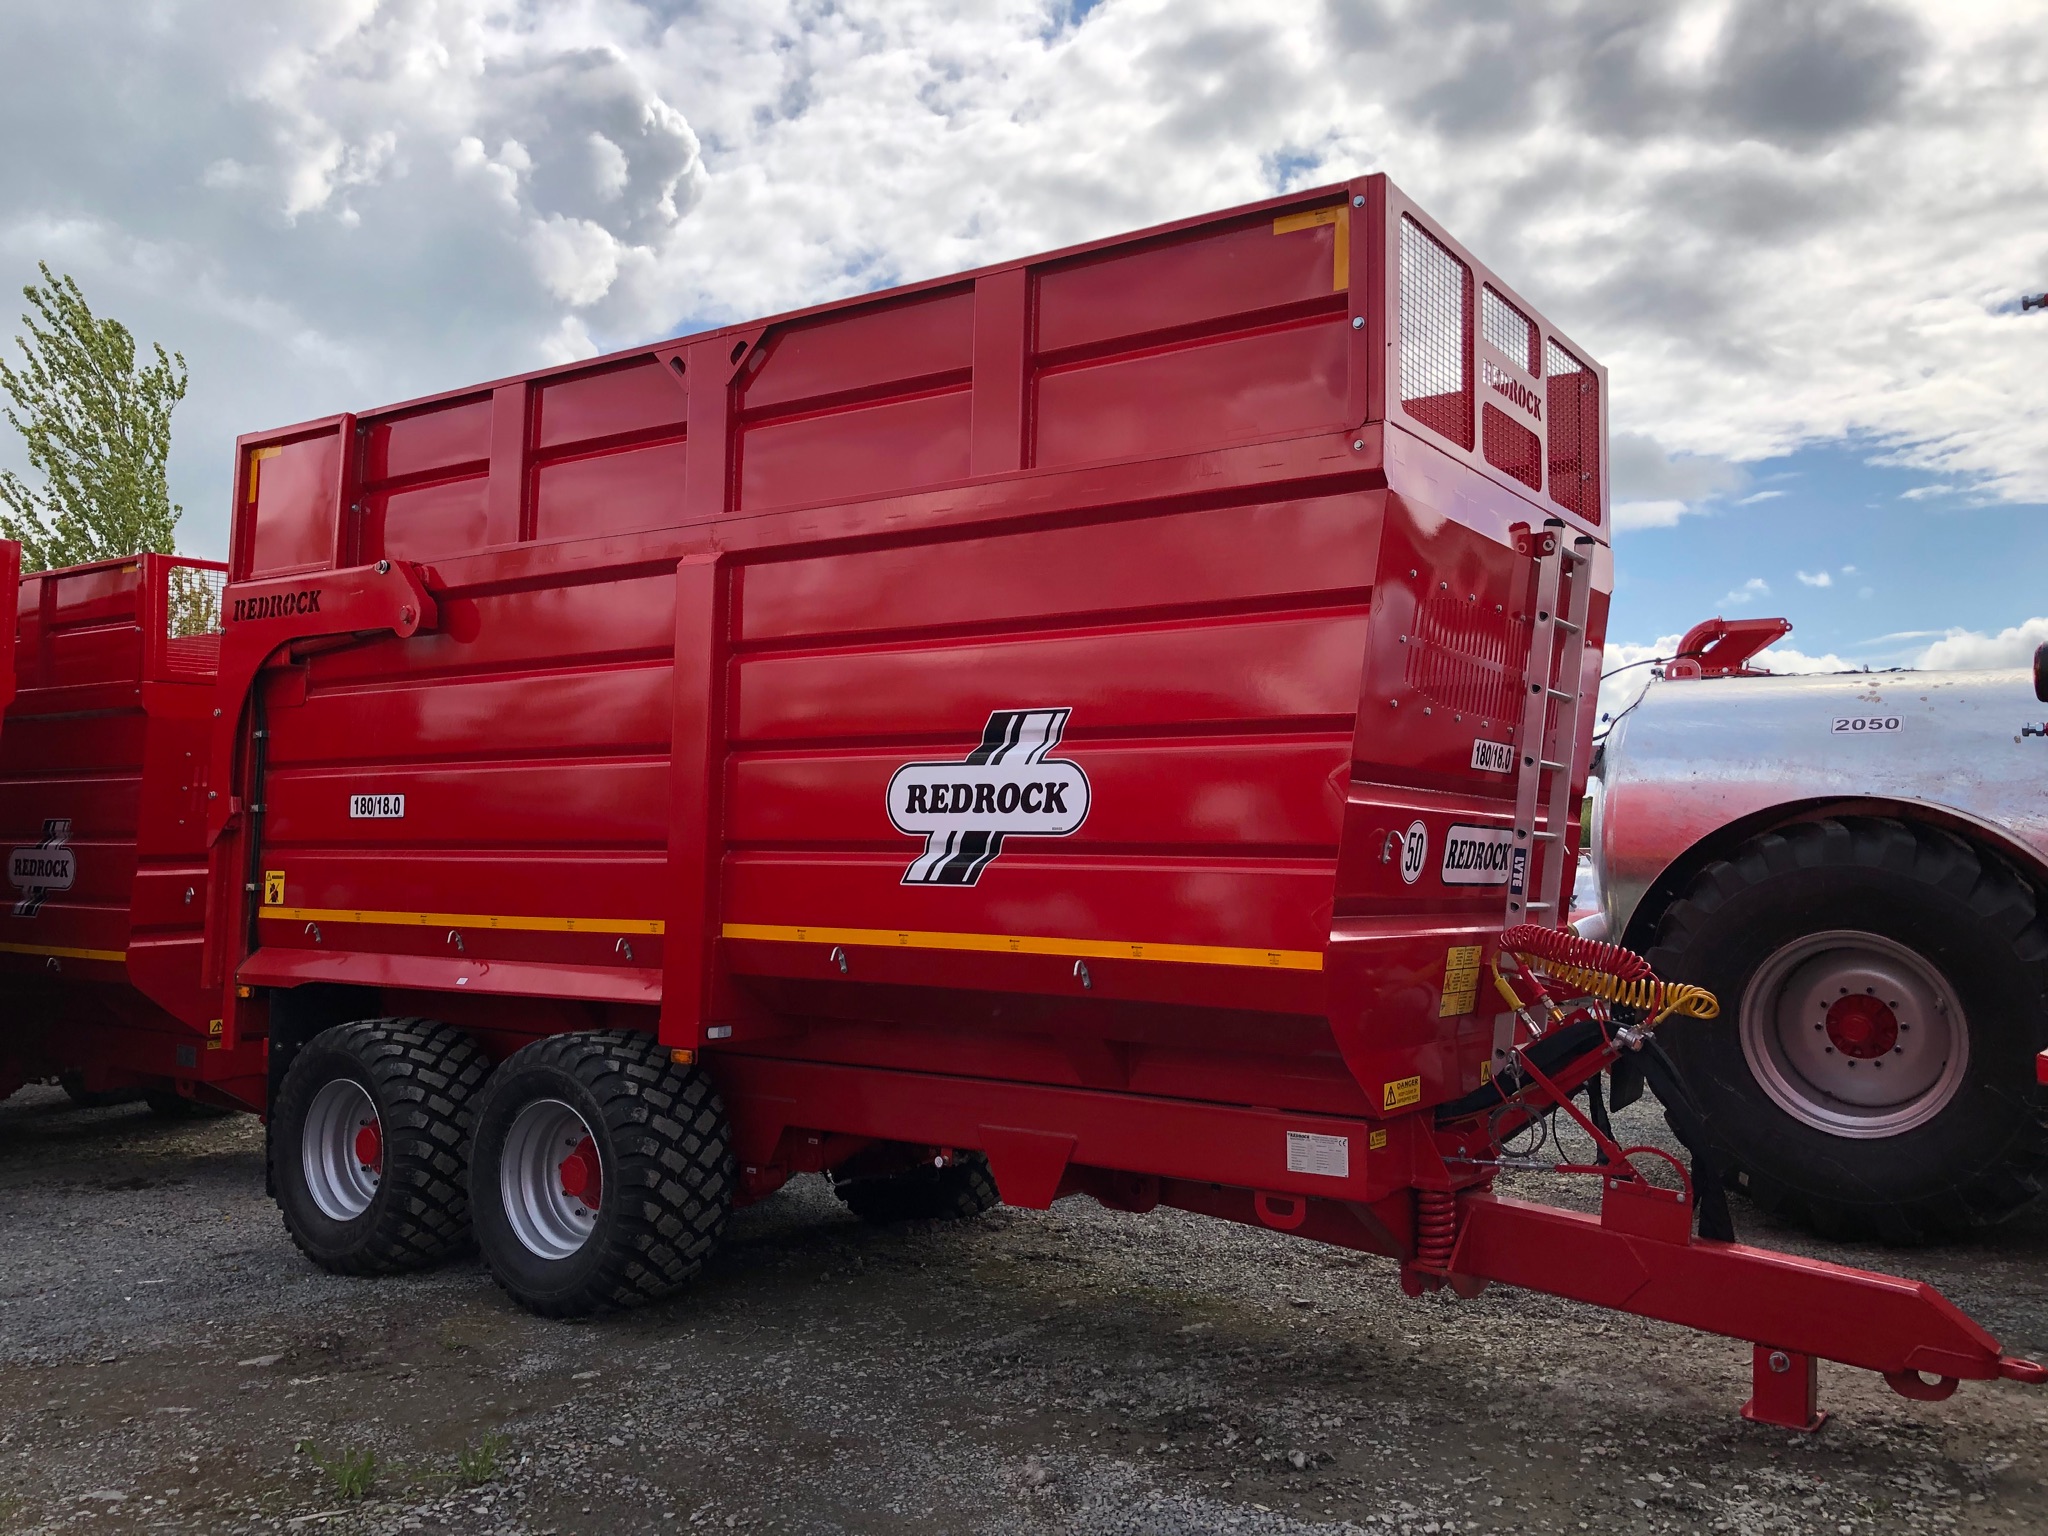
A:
{"x":1477,"y":855}
{"x":1006,"y":787}
{"x":1511,"y":388}
{"x":276,"y":606}
{"x":49,"y":866}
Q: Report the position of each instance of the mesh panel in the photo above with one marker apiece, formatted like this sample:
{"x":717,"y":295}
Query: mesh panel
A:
{"x":1436,"y":335}
{"x":1574,"y":399}
{"x":192,"y":605}
{"x":1514,"y":448}
{"x":1508,"y":329}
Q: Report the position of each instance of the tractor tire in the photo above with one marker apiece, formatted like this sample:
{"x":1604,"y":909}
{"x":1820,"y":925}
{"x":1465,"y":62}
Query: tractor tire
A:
{"x":602,"y":1173}
{"x":963,"y":1189}
{"x":169,"y":1104}
{"x":1884,"y":991}
{"x":369,"y":1145}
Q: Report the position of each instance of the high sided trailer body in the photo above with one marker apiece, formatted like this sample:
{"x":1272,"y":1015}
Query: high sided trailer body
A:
{"x":1078,"y":726}
{"x":103,"y":757}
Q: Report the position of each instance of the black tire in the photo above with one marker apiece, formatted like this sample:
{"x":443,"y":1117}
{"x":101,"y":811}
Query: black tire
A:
{"x":666,"y":1173}
{"x":961,"y":1190}
{"x":1971,"y":922}
{"x":169,"y":1104}
{"x":422,"y":1079}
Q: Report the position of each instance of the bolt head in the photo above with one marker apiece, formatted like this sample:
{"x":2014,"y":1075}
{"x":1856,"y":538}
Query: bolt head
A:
{"x":1358,"y":202}
{"x":1358,"y":322}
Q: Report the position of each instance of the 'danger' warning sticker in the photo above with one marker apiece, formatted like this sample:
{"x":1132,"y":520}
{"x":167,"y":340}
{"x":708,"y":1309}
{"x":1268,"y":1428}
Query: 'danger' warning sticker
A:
{"x":1461,"y":981}
{"x":1400,"y":1095}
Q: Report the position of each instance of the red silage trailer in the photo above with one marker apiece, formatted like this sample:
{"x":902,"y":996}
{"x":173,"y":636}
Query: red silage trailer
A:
{"x":1077,"y":727}
{"x":102,"y":760}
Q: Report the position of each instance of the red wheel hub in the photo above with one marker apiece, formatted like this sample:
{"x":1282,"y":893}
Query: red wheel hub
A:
{"x":582,"y":1175}
{"x":370,"y":1146}
{"x":1862,"y":1027}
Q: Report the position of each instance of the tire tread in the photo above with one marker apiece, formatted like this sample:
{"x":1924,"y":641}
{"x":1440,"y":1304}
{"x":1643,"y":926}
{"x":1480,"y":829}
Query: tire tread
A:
{"x":1996,"y":895}
{"x":428,"y":1074}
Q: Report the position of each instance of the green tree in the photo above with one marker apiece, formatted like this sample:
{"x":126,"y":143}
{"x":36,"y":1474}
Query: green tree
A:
{"x":98,"y":429}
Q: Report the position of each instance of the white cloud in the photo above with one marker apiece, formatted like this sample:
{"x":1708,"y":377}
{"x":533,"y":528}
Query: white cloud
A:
{"x":1748,"y":592}
{"x":1783,"y":658}
{"x":1925,"y":492}
{"x":1966,"y":649}
{"x":1815,"y":579}
{"x":1626,"y":671}
{"x":1752,"y":500}
{"x":1774,"y":224}
{"x":1848,"y":570}
{"x":578,"y":260}
{"x":1650,"y":514}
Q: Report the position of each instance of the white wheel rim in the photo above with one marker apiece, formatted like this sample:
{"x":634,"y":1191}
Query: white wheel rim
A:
{"x":1900,"y":1063}
{"x":548,"y":1152}
{"x":341,"y":1150}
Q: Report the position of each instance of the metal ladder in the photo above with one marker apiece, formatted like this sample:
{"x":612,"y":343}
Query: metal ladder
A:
{"x":1537,"y":888}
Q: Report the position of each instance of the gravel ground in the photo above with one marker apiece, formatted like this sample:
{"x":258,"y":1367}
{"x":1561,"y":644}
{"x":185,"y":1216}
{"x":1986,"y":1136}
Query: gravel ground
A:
{"x":169,"y":1362}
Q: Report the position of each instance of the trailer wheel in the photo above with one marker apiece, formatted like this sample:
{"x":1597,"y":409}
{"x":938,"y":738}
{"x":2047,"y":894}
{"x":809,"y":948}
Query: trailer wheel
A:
{"x":1884,"y":990}
{"x":602,"y":1173}
{"x":369,"y":1141}
{"x":964,"y":1188}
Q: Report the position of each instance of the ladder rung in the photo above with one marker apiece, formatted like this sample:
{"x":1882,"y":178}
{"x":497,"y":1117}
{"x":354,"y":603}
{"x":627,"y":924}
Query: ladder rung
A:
{"x":1559,"y":693}
{"x":1544,"y":837}
{"x":1537,"y":906}
{"x":1568,"y":624}
{"x":1549,"y":767}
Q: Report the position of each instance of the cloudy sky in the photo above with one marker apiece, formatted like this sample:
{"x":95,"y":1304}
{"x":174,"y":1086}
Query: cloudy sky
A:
{"x":1797,"y":233}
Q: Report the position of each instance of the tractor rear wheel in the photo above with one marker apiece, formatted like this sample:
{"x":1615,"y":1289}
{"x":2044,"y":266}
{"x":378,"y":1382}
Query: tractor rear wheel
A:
{"x":602,"y":1173}
{"x":964,"y":1188}
{"x":369,"y":1142}
{"x":1884,"y":990}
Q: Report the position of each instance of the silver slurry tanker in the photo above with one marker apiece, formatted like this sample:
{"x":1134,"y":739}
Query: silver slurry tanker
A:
{"x":1856,"y":864}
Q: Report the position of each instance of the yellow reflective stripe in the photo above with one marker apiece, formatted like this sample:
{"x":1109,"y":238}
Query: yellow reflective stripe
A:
{"x":893,"y":938}
{"x":1287,"y":223}
{"x":464,"y":920}
{"x":111,"y":956}
{"x":1024,"y":944}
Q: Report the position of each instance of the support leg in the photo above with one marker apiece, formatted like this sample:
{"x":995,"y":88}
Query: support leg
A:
{"x":1787,"y":1390}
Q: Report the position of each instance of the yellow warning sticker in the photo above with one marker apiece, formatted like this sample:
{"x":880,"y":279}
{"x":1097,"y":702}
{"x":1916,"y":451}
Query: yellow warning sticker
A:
{"x":273,"y":887}
{"x":1486,"y":1072}
{"x":213,"y":1026}
{"x":1400,"y":1095}
{"x":1461,"y":980}
{"x":1375,"y":1141}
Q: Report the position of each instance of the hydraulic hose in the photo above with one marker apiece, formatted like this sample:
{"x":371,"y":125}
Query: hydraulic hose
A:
{"x":1608,"y":972}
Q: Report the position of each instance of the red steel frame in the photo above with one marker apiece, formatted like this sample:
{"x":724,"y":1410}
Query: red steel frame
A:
{"x":102,"y":759}
{"x":575,"y":700}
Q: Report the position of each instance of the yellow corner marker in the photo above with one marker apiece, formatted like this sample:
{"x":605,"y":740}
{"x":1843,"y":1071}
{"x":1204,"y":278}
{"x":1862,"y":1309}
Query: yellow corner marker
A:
{"x":1287,"y":224}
